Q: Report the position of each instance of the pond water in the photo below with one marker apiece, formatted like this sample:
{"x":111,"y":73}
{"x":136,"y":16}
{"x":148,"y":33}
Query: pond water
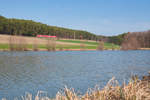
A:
{"x":22,"y":72}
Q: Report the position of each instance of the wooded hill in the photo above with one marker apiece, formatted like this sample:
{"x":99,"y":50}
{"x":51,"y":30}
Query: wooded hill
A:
{"x":22,"y":27}
{"x":31,"y":28}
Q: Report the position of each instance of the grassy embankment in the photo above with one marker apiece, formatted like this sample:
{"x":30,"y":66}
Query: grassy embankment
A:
{"x":88,"y":45}
{"x":92,"y":44}
{"x":41,"y":44}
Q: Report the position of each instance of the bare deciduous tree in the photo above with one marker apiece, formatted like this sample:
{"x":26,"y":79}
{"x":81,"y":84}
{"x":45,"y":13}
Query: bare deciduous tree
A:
{"x":130,"y":42}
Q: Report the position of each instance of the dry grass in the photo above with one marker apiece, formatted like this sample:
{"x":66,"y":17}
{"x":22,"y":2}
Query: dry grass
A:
{"x":82,"y":46}
{"x":35,"y":45}
{"x":17,"y":43}
{"x":51,"y":45}
{"x":100,"y":45}
{"x":134,"y":90}
{"x":4,"y":39}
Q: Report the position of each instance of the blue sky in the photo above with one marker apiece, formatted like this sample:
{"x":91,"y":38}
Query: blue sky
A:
{"x":102,"y":17}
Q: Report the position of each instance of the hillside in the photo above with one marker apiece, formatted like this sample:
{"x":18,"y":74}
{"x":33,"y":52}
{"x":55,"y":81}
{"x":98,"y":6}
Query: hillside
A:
{"x":11,"y":26}
{"x":20,"y":27}
{"x":31,"y":28}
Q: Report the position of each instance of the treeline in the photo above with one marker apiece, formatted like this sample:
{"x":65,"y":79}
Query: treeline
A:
{"x":136,"y":40}
{"x":116,"y":39}
{"x":31,"y":28}
{"x":130,"y":40}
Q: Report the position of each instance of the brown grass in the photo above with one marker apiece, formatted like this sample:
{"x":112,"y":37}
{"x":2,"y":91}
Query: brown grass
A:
{"x":5,"y":39}
{"x":35,"y":45}
{"x":82,"y":46}
{"x":100,"y":46}
{"x":51,"y":44}
{"x":17,"y":43}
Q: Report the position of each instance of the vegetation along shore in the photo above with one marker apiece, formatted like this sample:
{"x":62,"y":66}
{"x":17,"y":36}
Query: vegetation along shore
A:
{"x":20,"y":35}
{"x":136,"y":89}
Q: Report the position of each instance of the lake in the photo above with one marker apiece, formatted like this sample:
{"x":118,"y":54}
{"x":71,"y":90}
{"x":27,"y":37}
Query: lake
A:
{"x":22,"y":72}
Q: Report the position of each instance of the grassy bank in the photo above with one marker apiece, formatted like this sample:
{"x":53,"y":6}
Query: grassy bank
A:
{"x":135,"y":90}
{"x":92,"y":43}
{"x":41,"y":46}
{"x":9,"y":42}
{"x":61,"y":45}
{"x":68,"y":47}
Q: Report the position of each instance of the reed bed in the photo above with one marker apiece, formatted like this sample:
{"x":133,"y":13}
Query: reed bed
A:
{"x":51,"y":45}
{"x":35,"y":45}
{"x":100,"y":46}
{"x":134,"y":90}
{"x":17,"y":43}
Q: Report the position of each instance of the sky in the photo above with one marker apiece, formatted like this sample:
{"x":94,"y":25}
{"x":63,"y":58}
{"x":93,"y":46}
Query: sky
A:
{"x":101,"y":17}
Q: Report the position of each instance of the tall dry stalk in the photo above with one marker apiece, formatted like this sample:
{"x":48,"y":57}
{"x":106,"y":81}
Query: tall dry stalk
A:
{"x":82,"y":46}
{"x":11,"y":43}
{"x":48,"y":46}
{"x":21,"y":44}
{"x":35,"y":45}
{"x":100,"y":45}
{"x":51,"y":44}
{"x":17,"y":43}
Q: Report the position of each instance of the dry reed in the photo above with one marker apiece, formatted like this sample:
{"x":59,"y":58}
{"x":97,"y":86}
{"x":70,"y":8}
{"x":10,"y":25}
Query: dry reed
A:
{"x":51,"y":44}
{"x":134,"y":90}
{"x":17,"y":43}
{"x":100,"y":45}
{"x":35,"y":45}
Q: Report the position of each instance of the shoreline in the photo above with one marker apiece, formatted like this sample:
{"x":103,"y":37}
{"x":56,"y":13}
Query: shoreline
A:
{"x":51,"y":50}
{"x":1,"y":50}
{"x":144,"y":48}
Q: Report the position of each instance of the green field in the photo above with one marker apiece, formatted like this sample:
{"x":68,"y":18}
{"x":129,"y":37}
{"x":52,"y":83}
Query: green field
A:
{"x":6,"y":46}
{"x":78,"y":41}
{"x":81,"y":45}
{"x":91,"y":44}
